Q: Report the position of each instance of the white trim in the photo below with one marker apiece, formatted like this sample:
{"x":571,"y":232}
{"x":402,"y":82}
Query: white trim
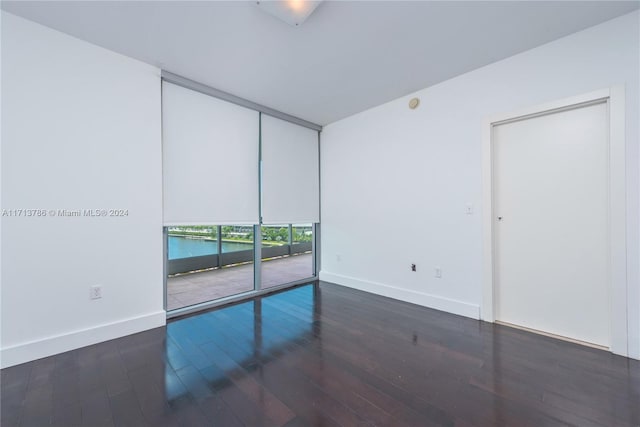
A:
{"x":618,"y":223}
{"x":49,"y":346}
{"x":617,"y":207}
{"x":427,"y":300}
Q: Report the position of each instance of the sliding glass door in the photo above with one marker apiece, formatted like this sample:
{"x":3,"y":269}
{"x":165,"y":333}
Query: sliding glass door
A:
{"x":207,"y":263}
{"x":287,"y":254}
{"x":210,"y":263}
{"x":241,"y":199}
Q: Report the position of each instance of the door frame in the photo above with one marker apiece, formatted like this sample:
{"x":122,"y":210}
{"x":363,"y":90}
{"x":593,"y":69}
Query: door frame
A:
{"x":615,"y":99}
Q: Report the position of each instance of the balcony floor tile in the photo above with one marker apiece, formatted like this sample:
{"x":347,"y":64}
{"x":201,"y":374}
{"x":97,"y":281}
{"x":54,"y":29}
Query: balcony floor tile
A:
{"x":194,"y":288}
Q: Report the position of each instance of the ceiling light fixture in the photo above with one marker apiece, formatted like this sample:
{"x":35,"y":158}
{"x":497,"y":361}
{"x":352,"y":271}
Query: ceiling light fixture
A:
{"x":293,"y":12}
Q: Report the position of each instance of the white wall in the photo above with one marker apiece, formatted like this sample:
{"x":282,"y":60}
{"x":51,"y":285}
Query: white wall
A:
{"x":81,"y":130}
{"x":396,"y":182}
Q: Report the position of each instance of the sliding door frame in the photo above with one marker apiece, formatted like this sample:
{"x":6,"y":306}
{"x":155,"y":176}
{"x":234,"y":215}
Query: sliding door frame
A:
{"x":257,"y":228}
{"x":257,"y":290}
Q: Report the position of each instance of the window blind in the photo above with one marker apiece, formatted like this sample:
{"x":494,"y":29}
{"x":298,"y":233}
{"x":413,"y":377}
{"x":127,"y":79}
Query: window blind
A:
{"x":210,"y":159}
{"x":290,"y":173}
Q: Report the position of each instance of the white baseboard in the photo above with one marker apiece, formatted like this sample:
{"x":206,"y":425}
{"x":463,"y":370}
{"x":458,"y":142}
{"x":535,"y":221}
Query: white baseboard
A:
{"x":426,"y":300}
{"x":33,"y":350}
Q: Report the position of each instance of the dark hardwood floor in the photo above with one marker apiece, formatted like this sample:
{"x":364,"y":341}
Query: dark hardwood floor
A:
{"x":325,"y":355}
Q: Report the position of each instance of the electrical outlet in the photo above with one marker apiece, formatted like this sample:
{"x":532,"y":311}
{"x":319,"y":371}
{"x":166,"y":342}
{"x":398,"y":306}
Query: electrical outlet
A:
{"x":413,"y":267}
{"x":95,"y":292}
{"x":438,"y":272}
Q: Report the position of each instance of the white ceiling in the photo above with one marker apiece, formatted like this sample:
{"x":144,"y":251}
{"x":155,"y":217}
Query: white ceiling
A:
{"x":347,"y":57}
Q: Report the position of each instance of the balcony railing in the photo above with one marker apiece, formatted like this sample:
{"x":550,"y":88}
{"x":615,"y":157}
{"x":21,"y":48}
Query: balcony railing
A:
{"x":204,"y":262}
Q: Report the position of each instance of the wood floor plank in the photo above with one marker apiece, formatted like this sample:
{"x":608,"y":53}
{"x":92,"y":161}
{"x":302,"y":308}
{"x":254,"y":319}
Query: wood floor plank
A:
{"x":325,"y":355}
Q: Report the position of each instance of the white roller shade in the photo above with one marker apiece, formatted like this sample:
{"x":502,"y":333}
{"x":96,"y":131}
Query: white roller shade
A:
{"x":290,"y":176}
{"x":210,"y":159}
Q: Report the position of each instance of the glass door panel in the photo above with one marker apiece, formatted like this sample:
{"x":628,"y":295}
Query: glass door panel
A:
{"x":287,"y":254}
{"x":207,"y":262}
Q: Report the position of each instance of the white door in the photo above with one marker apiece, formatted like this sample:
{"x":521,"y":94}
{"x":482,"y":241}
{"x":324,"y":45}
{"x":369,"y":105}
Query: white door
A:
{"x":551,"y":223}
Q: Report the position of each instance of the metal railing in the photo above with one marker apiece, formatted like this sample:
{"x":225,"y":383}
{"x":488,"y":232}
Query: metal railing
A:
{"x":204,"y":262}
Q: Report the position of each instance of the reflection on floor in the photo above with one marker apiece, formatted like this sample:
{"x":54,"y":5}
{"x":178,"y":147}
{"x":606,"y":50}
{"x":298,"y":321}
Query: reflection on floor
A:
{"x":325,"y":355}
{"x":194,"y":288}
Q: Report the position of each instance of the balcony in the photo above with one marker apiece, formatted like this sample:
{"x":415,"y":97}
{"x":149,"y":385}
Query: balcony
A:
{"x":202,"y":267}
{"x":193,"y":288}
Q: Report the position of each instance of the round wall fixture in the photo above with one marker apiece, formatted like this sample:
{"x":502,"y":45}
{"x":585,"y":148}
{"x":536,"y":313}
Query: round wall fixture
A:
{"x":413,"y":104}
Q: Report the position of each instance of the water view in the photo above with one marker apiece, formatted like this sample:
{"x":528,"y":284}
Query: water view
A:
{"x":185,"y":247}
